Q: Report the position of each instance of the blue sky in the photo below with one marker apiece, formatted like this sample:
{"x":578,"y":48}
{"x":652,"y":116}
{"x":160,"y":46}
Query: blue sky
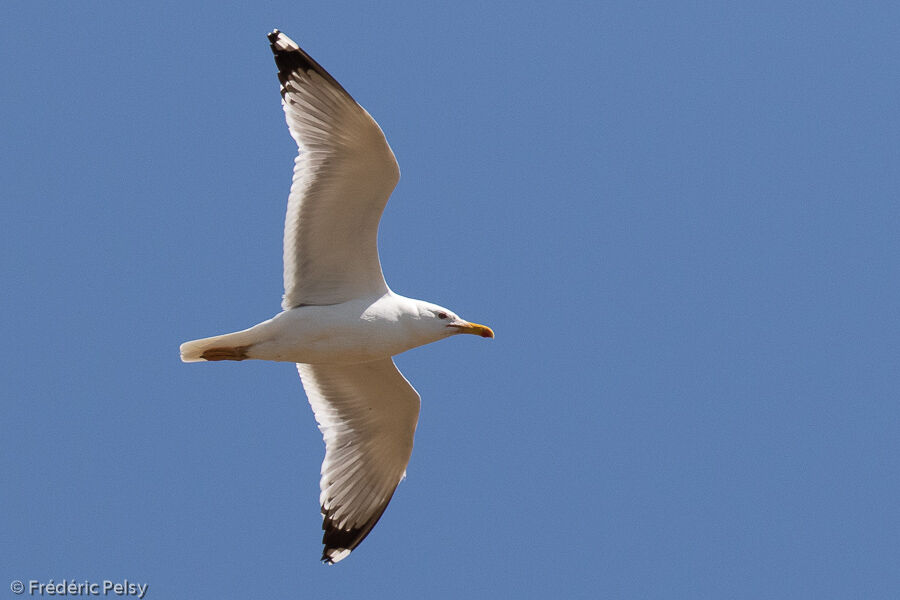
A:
{"x":681,"y":220}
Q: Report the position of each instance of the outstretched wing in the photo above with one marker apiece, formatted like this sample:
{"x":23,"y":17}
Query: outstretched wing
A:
{"x":367,"y":414}
{"x":343,"y":176}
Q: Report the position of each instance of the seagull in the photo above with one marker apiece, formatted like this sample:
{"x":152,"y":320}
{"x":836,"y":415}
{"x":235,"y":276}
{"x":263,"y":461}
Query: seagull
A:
{"x":340,"y":322}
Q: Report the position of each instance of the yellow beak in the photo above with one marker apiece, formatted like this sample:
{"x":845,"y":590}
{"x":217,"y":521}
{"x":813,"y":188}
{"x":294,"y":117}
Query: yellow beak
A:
{"x":475,"y":328}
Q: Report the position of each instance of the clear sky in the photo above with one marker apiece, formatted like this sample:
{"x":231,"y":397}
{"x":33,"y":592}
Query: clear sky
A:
{"x":681,"y":219}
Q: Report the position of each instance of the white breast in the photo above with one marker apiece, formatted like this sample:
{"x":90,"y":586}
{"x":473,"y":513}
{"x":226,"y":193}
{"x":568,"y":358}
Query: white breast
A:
{"x":356,"y":331}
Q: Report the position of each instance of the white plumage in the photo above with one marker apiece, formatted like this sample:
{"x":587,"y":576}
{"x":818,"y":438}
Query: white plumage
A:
{"x":340,"y":321}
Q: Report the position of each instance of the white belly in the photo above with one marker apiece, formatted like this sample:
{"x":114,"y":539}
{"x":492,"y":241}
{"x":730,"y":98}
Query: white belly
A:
{"x":353,"y":332}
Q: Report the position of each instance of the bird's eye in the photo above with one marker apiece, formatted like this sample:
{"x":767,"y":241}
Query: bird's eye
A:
{"x":442,"y":315}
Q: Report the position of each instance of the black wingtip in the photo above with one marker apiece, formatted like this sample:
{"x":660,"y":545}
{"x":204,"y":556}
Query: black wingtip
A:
{"x":290,"y":58}
{"x":339,"y":543}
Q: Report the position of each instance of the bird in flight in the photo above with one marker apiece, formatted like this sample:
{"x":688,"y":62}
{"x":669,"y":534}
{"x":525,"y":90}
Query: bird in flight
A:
{"x":340,"y":322}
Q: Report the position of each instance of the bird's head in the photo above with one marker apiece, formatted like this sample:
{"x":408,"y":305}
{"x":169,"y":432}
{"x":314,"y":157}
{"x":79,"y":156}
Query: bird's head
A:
{"x":446,"y":323}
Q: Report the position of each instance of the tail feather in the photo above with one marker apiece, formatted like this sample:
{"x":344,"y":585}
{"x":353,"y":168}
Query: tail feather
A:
{"x":231,"y":346}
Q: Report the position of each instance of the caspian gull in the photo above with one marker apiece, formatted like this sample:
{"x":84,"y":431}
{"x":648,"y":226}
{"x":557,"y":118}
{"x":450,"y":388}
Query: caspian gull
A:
{"x":341,"y":323}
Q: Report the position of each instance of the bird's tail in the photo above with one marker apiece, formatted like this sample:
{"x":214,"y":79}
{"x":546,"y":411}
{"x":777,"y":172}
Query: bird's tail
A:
{"x":230,"y":346}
